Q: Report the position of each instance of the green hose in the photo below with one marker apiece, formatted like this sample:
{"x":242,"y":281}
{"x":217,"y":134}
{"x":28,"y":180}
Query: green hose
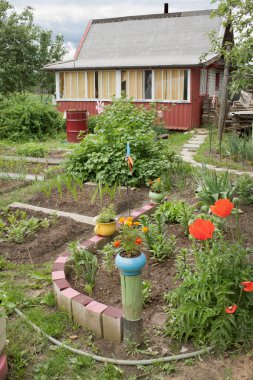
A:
{"x":110,"y":360}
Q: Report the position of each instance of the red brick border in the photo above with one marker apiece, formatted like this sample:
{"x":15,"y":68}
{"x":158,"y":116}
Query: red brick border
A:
{"x":103,"y":320}
{"x":3,"y":367}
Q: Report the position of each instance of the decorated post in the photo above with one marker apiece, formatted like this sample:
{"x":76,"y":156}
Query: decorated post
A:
{"x":130,"y":261}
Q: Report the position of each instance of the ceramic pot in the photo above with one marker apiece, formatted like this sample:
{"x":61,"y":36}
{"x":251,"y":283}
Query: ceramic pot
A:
{"x":130,"y":266}
{"x":156,"y":198}
{"x":2,"y":330}
{"x":105,"y":229}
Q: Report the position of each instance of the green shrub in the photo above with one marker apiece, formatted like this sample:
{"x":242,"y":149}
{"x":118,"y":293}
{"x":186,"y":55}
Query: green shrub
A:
{"x":26,"y":119}
{"x":244,"y":188}
{"x":92,"y":122}
{"x":102,"y":156}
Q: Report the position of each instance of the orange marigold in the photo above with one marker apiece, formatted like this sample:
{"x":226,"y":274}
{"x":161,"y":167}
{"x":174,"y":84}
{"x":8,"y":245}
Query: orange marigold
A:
{"x":138,"y":241}
{"x":128,"y":223}
{"x":136,"y":223}
{"x":144,"y":229}
{"x":130,"y":218}
{"x":116,"y":243}
{"x":122,"y":220}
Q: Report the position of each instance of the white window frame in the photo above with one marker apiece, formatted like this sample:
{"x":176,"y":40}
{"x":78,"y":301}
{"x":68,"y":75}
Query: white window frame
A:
{"x":203,"y":82}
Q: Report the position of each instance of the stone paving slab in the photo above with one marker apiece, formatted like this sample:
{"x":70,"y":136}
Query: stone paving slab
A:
{"x":76,"y":217}
{"x":20,"y":177}
{"x":41,"y":160}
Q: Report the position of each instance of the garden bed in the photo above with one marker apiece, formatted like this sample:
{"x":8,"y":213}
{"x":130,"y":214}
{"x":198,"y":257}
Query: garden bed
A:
{"x":82,"y":205}
{"x":46,"y":243}
{"x":8,"y":185}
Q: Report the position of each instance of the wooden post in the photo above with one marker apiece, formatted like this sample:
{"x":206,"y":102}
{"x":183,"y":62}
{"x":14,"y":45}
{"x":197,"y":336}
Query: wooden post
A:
{"x":131,"y":289}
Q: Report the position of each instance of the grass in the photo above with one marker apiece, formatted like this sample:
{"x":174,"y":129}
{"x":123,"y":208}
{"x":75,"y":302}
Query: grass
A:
{"x":59,"y":142}
{"x":202,"y":156}
{"x":178,"y":139}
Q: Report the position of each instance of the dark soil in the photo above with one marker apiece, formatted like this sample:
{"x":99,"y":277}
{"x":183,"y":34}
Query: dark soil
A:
{"x":47,"y":243}
{"x":82,"y":205}
{"x":7,"y":185}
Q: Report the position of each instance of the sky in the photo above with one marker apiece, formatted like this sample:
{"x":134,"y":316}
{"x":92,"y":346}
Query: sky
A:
{"x":70,"y":18}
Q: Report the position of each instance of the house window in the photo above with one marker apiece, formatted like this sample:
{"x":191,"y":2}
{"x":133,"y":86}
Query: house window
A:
{"x":171,"y":84}
{"x":132,"y":83}
{"x":147,"y":91}
{"x":203,"y":81}
{"x":61,"y":85}
{"x":217,"y":81}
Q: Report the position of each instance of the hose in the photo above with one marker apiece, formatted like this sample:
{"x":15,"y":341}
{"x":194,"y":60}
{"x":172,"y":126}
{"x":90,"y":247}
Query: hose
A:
{"x":111,"y":360}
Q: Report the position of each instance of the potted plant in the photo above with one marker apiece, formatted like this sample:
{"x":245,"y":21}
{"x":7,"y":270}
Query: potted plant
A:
{"x":129,"y":259}
{"x":106,"y":222}
{"x":156,"y":194}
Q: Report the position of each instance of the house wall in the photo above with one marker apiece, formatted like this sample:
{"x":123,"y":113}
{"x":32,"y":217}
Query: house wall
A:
{"x":212,"y":91}
{"x":180,"y":115}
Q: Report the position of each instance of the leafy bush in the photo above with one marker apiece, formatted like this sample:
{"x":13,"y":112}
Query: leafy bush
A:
{"x":107,"y":215}
{"x":197,"y":307}
{"x":25,"y":119}
{"x":92,"y":122}
{"x":102,"y":156}
{"x":239,"y":148}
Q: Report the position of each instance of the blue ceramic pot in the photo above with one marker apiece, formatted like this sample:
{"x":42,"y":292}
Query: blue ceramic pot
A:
{"x":130,"y":266}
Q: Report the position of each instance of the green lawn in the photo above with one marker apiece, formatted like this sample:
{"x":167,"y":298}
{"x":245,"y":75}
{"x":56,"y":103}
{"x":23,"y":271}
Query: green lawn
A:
{"x":176,"y":140}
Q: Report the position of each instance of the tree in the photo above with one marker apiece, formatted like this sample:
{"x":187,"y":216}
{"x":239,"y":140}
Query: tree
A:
{"x":24,"y":49}
{"x":238,"y":21}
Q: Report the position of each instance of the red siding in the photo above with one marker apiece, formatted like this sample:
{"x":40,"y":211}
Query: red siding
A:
{"x":176,"y":116}
{"x":196,"y":99}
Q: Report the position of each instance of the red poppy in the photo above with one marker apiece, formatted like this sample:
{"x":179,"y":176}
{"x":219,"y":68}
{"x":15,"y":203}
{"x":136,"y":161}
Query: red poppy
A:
{"x":202,"y":229}
{"x":117,"y":243}
{"x":138,"y":241}
{"x":231,"y":309}
{"x":222,"y":208}
{"x":248,"y":286}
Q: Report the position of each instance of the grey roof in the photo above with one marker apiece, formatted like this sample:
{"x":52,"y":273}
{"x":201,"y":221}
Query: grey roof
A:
{"x":174,"y":39}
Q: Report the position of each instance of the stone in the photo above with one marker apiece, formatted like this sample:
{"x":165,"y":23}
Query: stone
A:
{"x":94,"y":312}
{"x":112,"y":324}
{"x":78,"y":309}
{"x":64,"y":300}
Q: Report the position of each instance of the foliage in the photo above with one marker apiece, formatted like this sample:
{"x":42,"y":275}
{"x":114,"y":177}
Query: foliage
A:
{"x":146,"y":292}
{"x":197,"y":306}
{"x":239,"y":149}
{"x":213,"y":186}
{"x":61,"y":182}
{"x":156,"y":186}
{"x":31,"y":150}
{"x":92,"y":122}
{"x":25,"y":119}
{"x":237,"y":16}
{"x":102,"y":156}
{"x":16,"y":225}
{"x":176,"y":212}
{"x":244,"y":188}
{"x":85,"y":264}
{"x":105,"y":190}
{"x":107,"y":215}
{"x":160,"y":245}
{"x":108,"y":254}
{"x":129,"y":238}
{"x":25,"y":49}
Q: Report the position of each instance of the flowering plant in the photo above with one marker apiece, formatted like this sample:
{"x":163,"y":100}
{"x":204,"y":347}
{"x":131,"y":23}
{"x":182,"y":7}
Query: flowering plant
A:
{"x":129,"y":239}
{"x":156,"y":186}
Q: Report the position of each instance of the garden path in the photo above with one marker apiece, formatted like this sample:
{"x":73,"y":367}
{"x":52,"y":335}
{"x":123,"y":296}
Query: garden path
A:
{"x":189,"y":149}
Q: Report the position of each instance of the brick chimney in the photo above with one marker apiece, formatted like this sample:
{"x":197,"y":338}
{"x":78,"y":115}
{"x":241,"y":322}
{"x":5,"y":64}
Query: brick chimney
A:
{"x":166,"y":8}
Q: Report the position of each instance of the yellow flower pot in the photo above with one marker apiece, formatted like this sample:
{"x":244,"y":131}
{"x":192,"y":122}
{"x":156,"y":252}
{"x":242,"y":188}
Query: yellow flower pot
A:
{"x":105,"y":229}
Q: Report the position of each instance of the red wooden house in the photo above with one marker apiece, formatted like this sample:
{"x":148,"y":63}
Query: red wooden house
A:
{"x":152,"y":58}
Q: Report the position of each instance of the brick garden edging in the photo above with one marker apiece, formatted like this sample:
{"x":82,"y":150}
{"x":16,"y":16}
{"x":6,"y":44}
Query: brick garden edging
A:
{"x":105,"y":321}
{"x":3,"y":357}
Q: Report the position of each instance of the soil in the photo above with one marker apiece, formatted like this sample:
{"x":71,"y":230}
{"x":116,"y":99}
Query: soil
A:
{"x":82,"y":205}
{"x":7,"y":185}
{"x":47,"y":243}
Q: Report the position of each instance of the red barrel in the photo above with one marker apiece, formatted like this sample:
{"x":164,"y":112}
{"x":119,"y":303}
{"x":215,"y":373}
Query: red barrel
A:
{"x":76,"y":122}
